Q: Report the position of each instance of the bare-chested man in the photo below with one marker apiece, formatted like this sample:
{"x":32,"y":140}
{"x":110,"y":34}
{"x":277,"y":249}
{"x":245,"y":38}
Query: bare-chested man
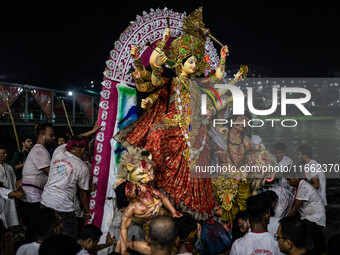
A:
{"x":142,"y":202}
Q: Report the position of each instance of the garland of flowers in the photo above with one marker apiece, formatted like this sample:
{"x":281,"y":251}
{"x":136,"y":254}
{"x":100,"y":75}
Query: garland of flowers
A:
{"x":184,"y":122}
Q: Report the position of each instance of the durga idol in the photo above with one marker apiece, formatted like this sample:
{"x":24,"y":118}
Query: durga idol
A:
{"x":165,"y":128}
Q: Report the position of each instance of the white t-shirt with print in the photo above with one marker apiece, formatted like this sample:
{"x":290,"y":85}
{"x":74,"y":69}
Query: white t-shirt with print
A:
{"x":67,"y":172}
{"x":312,"y":208}
{"x":32,"y":173}
{"x":312,"y":165}
{"x":256,"y":244}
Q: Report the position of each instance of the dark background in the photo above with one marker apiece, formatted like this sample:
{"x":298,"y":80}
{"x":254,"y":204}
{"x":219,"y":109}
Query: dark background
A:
{"x":66,"y":43}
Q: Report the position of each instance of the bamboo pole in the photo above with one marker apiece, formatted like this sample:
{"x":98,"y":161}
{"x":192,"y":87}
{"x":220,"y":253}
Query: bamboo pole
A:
{"x":66,"y":115}
{"x":11,"y":116}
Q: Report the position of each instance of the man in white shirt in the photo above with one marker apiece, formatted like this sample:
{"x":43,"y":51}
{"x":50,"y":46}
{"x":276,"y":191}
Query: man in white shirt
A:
{"x":45,"y":223}
{"x":68,"y":174}
{"x":282,"y":161}
{"x":313,"y":172}
{"x":34,"y":175}
{"x":259,"y":240}
{"x":6,"y":194}
{"x":19,"y":157}
{"x":310,"y":206}
{"x":37,"y":164}
{"x":89,"y":238}
{"x":8,"y":179}
{"x":281,"y":158}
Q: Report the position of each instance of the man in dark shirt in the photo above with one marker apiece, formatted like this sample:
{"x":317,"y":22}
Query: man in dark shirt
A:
{"x":19,"y":158}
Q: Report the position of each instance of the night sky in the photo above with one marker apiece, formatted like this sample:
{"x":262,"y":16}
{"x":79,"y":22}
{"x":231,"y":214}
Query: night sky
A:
{"x":62,"y":43}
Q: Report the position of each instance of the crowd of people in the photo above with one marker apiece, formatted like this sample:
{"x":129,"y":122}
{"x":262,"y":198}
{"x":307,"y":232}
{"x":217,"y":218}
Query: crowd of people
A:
{"x":48,"y":196}
{"x":162,"y":205}
{"x":44,"y":190}
{"x":286,"y":216}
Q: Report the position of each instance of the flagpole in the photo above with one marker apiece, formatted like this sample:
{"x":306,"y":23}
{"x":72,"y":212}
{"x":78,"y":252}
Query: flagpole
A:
{"x":66,"y":115}
{"x":11,"y":116}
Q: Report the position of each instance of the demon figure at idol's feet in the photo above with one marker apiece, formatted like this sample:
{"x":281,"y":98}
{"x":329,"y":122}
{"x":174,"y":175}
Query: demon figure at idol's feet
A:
{"x":140,"y":203}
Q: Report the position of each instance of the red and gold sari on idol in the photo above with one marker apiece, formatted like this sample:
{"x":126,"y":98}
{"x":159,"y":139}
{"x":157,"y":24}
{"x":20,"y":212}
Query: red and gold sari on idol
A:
{"x":168,"y":136}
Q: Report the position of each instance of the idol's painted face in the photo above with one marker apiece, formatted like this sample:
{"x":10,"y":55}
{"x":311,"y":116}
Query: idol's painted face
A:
{"x":189,"y":66}
{"x":144,"y":173}
{"x":131,"y":191}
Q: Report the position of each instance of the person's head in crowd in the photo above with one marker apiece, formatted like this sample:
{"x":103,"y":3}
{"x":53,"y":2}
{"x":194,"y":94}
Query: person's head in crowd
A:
{"x":163,"y":235}
{"x":46,"y":135}
{"x":304,"y":153}
{"x":240,"y":225}
{"x":293,"y":180}
{"x":334,"y":245}
{"x":59,"y":244}
{"x":187,"y":230}
{"x":6,"y":240}
{"x":279,"y":151}
{"x":68,"y":135}
{"x":26,"y":142}
{"x":259,"y":212}
{"x":3,"y":154}
{"x":292,"y":236}
{"x":61,"y":140}
{"x":272,"y":198}
{"x":77,"y":145}
{"x":46,"y":222}
{"x":125,"y":192}
{"x":242,"y":221}
{"x":89,"y":237}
